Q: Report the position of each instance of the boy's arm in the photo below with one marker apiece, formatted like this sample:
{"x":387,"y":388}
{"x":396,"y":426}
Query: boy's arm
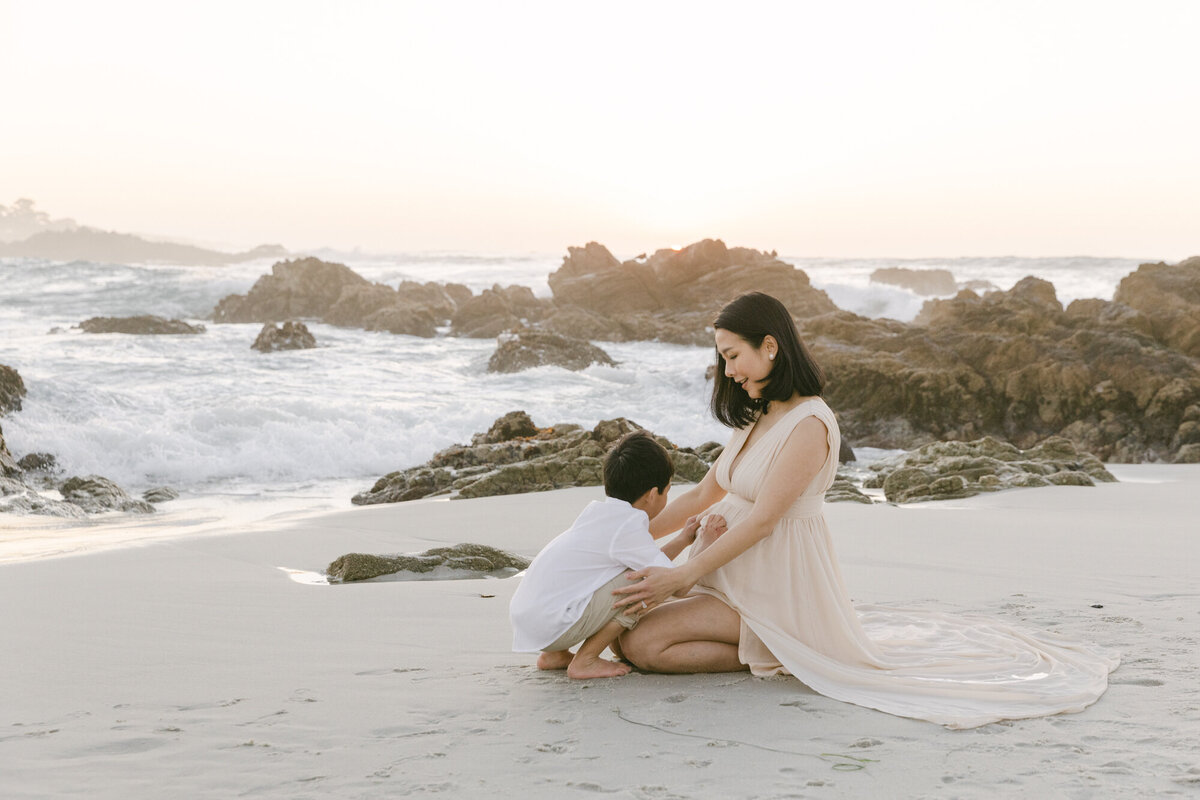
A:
{"x":673,"y":548}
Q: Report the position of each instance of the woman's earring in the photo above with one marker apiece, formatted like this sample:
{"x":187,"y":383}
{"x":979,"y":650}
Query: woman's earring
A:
{"x":770,"y":356}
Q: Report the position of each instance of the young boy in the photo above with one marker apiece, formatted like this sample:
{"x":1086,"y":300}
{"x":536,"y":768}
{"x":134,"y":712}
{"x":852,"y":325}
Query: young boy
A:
{"x":566,"y":595}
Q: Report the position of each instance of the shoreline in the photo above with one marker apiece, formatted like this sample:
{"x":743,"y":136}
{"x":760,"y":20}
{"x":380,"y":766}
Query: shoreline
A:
{"x":35,"y":537}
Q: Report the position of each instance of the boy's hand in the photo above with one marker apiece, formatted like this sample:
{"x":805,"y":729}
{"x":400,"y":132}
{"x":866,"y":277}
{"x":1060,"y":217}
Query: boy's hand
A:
{"x":691,"y":528}
{"x":714,"y":526}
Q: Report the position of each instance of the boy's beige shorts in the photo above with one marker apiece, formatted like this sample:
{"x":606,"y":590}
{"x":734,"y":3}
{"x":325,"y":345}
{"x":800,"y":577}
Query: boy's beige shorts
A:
{"x":598,"y":613}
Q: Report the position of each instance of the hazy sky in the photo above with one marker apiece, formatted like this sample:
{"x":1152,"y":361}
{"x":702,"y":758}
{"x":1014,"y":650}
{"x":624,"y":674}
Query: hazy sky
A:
{"x":816,"y":128}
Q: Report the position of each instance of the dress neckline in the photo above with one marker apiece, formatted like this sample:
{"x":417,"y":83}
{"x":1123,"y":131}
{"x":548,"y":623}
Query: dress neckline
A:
{"x":744,"y":446}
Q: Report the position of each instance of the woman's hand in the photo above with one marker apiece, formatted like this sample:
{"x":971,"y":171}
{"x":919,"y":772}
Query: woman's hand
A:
{"x":651,"y":586}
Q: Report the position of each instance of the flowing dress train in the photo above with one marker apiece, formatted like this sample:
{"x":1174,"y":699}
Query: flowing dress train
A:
{"x":959,"y":671}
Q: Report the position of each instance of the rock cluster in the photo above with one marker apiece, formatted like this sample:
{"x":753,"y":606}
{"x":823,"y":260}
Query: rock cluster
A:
{"x":525,"y":348}
{"x":141,"y":325}
{"x":1017,"y":366}
{"x":12,"y":389}
{"x":1165,"y":303}
{"x":516,"y":457}
{"x":921,"y":281}
{"x":95,"y":494}
{"x":671,"y":296}
{"x":844,"y":490}
{"x":475,"y":559}
{"x":948,"y":470}
{"x":292,"y":335}
{"x":333,"y":293}
{"x":81,"y":496}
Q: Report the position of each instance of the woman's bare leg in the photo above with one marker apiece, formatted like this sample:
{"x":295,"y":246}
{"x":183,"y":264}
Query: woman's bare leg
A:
{"x":695,"y":634}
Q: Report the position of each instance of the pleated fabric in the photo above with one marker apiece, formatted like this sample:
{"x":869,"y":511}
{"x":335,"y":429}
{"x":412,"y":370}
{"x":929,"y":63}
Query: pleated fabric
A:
{"x":961,"y":671}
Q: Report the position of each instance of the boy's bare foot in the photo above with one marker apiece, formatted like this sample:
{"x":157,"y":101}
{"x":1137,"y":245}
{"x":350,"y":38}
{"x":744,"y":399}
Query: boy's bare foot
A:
{"x":555,"y":659}
{"x":581,"y":668}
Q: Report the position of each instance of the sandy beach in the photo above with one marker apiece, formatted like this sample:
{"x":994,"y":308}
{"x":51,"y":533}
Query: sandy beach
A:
{"x":196,"y":666}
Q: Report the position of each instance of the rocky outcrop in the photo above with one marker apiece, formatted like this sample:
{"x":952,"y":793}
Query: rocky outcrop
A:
{"x":526,"y":348}
{"x":305,"y":287}
{"x":8,"y":464}
{"x":44,"y":463}
{"x":462,"y":560}
{"x":81,"y":496}
{"x":921,"y":281}
{"x":17,"y":498}
{"x":291,"y":335}
{"x":160,"y":494}
{"x":12,"y":389}
{"x":497,"y":310}
{"x":844,"y":490}
{"x":948,"y":470}
{"x":1168,"y":298}
{"x":475,"y":560}
{"x":516,"y":457}
{"x":671,"y":296}
{"x":145,"y":325}
{"x":95,"y":494}
{"x":335,"y":294}
{"x":1014,"y":365}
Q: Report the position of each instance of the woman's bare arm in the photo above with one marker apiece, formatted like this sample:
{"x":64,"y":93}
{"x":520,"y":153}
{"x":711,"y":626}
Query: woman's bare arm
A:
{"x":689,"y":504}
{"x":801,"y":459}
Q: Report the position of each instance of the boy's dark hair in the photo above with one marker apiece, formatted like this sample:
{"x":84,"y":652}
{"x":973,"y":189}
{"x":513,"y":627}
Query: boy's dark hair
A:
{"x":753,"y":316}
{"x":635,"y":465}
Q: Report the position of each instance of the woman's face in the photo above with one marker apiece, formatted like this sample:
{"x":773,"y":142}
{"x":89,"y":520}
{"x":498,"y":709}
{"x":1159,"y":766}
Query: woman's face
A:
{"x":745,"y":364}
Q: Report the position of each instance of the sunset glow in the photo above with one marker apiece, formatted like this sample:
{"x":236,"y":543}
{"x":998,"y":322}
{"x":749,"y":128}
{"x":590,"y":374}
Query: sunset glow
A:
{"x":929,"y":128}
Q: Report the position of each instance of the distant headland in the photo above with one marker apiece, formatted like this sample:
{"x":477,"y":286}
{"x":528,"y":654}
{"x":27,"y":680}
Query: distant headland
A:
{"x":28,"y":233}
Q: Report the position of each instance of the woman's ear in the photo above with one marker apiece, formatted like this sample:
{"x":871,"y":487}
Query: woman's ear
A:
{"x":770,"y":346}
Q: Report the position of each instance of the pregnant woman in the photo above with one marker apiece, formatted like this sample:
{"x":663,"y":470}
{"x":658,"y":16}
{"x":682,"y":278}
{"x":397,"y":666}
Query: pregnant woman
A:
{"x":767,"y":595}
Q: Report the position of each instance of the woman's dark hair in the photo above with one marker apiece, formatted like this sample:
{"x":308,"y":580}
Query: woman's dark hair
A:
{"x":635,"y":465}
{"x":754,"y":316}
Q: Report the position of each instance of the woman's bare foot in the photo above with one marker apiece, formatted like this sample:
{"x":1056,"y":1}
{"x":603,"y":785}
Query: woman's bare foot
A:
{"x":555,"y":659}
{"x":585,"y":667}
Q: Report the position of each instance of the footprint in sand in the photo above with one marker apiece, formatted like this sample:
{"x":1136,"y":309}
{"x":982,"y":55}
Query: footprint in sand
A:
{"x":389,"y":671}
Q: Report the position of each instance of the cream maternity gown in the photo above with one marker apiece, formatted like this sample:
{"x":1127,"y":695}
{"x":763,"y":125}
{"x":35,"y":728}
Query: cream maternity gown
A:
{"x":960,"y":671}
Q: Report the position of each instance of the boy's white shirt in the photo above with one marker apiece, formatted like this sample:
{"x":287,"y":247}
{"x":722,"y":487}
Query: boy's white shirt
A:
{"x":607,"y":538}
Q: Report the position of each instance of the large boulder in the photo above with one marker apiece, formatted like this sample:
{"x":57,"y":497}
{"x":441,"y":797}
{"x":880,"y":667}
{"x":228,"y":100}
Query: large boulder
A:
{"x":292,"y":335}
{"x":95,"y":494}
{"x":948,"y":470}
{"x":1012,"y":365}
{"x":673,"y":295}
{"x":306,"y":287}
{"x":499,"y":309}
{"x":921,"y":281}
{"x":514,"y":457}
{"x":12,"y":389}
{"x":461,"y":560}
{"x":1169,"y":297}
{"x":144,"y":325}
{"x":526,"y":348}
